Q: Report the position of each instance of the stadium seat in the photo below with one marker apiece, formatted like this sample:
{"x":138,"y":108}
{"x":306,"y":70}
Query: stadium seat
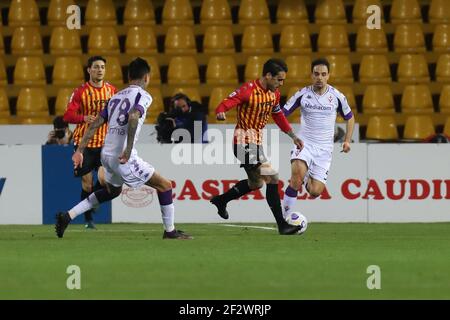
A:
{"x":330,"y":12}
{"x":340,"y":69}
{"x":443,"y":68}
{"x":177,"y":12}
{"x":4,"y":104}
{"x":218,"y":40}
{"x":100,"y":13}
{"x":447,"y":128}
{"x":113,"y":73}
{"x":29,"y":71}
{"x":26,"y":41}
{"x":359,"y":13}
{"x":155,"y":75}
{"x":221,"y":70}
{"x":371,"y":40}
{"x":413,"y":68}
{"x":57,"y":12}
{"x":439,"y":11}
{"x":215,"y":12}
{"x":140,"y":40}
{"x":444,"y":99}
{"x":441,"y":38}
{"x":158,"y":102}
{"x":257,"y":40}
{"x":295,"y":39}
{"x":2,"y":44}
{"x":103,"y":41}
{"x":374,"y":69}
{"x":23,"y":13}
{"x":418,"y":128}
{"x":292,"y":12}
{"x":333,"y":39}
{"x":68,"y":71}
{"x":382,"y":128}
{"x":180,"y":40}
{"x":32,"y":102}
{"x":62,"y":99}
{"x":299,"y":70}
{"x":417,"y":99}
{"x":139,"y":13}
{"x":405,"y":11}
{"x":378,"y":99}
{"x":191,"y":92}
{"x":409,"y":38}
{"x":183,"y":71}
{"x":254,"y":67}
{"x":3,"y":77}
{"x":65,"y":42}
{"x":252,"y":12}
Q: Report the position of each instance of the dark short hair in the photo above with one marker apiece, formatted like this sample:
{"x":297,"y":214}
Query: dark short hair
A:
{"x":319,"y":62}
{"x":138,"y":68}
{"x":59,"y":123}
{"x":179,"y":96}
{"x":92,"y":59}
{"x":274,"y":66}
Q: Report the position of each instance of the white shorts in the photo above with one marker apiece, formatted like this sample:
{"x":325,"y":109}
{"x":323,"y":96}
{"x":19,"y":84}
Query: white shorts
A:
{"x":318,"y":160}
{"x":134,"y":173}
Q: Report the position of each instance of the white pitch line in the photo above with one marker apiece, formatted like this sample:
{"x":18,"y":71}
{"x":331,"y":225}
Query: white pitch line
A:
{"x":240,"y":226}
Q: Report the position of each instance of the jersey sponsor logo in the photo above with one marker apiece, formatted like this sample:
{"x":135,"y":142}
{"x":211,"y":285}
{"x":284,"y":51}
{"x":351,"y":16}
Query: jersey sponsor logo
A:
{"x":137,"y":198}
{"x":265,"y":104}
{"x":118,"y":131}
{"x":310,"y":106}
{"x":2,"y":184}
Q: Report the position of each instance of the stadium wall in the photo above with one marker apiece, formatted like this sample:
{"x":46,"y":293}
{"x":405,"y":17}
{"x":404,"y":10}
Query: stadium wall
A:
{"x":373,"y":183}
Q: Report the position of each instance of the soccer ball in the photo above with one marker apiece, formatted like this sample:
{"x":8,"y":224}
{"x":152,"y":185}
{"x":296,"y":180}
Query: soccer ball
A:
{"x":297,"y":219}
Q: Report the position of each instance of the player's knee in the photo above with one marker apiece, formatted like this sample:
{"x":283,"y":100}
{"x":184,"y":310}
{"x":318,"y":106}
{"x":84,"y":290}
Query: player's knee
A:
{"x":87,"y":187}
{"x":295,"y":183}
{"x":255,"y":184}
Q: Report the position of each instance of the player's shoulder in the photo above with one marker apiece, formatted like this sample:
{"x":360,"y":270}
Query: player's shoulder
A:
{"x":336,"y":92}
{"x":111,"y":86}
{"x":303,"y":91}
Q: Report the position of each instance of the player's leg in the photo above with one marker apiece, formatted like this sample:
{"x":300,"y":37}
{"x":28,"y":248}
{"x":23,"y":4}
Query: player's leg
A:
{"x":299,"y":169}
{"x":86,"y":190}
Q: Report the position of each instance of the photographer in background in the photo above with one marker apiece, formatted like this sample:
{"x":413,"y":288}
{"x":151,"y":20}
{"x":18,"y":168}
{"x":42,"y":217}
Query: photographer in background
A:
{"x":183,"y":114}
{"x":61,"y":133}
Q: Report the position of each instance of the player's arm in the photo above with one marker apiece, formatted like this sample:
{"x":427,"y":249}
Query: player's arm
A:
{"x":346,"y":113}
{"x":72,"y":113}
{"x":77,"y":157}
{"x":133,"y":121}
{"x":236,"y":98}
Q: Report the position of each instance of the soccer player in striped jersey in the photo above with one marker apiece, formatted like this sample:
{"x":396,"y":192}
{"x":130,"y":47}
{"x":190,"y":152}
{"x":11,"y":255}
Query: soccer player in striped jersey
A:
{"x":85,"y":104}
{"x":319,"y":105}
{"x":256,"y":101}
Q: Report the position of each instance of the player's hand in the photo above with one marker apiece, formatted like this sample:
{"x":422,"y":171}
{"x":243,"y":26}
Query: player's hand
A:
{"x":221,"y":116}
{"x":77,"y":159}
{"x":346,"y":147}
{"x":124,"y":158}
{"x":89,"y":118}
{"x":298,"y":142}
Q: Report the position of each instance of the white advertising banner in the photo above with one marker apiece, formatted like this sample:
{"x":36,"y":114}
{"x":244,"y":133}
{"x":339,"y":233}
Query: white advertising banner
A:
{"x":20,"y":184}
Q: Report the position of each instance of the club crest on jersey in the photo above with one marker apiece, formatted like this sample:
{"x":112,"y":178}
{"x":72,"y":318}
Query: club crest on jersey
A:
{"x":308,"y":96}
{"x":330,"y":98}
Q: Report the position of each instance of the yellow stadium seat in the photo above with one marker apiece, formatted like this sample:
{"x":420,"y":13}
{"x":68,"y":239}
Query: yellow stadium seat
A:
{"x":32,"y":102}
{"x":340,"y":69}
{"x":4,"y":103}
{"x":295,"y":39}
{"x":62,"y":99}
{"x":29,"y":71}
{"x":3,"y":77}
{"x":140,"y":40}
{"x":103,"y":40}
{"x":218,"y":40}
{"x":216,"y":97}
{"x":155,"y":75}
{"x":409,"y":38}
{"x":371,"y":40}
{"x":180,"y":40}
{"x":359,"y":13}
{"x":299,"y":70}
{"x":68,"y":71}
{"x":333,"y":39}
{"x":157,"y":103}
{"x":378,"y":99}
{"x":447,"y":128}
{"x":253,"y":12}
{"x":183,"y":71}
{"x":374,"y":69}
{"x":444,"y":99}
{"x":257,"y":40}
{"x":443,"y":68}
{"x":113,"y":71}
{"x":417,"y":99}
{"x":26,"y":41}
{"x":215,"y":12}
{"x":254,"y":67}
{"x":418,"y":128}
{"x":441,"y":38}
{"x":177,"y":12}
{"x":382,"y":128}
{"x":221,"y":70}
{"x":23,"y":13}
{"x":192,"y":93}
{"x":330,"y":12}
{"x":413,"y":68}
{"x":100,"y":13}
{"x":439,"y":11}
{"x":57,"y":12}
{"x":2,"y":44}
{"x":65,"y":42}
{"x":292,"y":12}
{"x":139,"y":13}
{"x":405,"y":11}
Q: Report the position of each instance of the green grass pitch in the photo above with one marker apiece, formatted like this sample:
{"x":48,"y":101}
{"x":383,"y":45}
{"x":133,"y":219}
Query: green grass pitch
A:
{"x":131,"y":261}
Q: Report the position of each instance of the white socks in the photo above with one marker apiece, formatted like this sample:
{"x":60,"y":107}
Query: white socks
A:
{"x":83,"y":206}
{"x":168,"y":217}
